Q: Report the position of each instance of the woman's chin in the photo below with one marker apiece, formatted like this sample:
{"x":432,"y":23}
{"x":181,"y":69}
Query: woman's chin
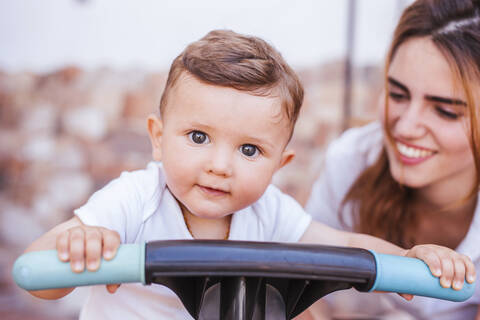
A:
{"x":407,"y":180}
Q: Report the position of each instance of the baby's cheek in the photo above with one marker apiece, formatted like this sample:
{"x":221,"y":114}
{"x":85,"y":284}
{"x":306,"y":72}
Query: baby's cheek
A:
{"x":177,"y":183}
{"x":251,"y":191}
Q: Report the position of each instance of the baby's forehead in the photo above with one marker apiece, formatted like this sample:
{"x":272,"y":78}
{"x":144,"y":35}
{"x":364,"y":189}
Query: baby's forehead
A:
{"x":187,"y":83}
{"x":228,"y":110}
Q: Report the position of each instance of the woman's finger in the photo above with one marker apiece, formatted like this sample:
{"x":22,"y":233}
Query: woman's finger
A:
{"x":406,"y":296}
{"x":431,"y":258}
{"x":459,"y":274}
{"x":112,"y":288}
{"x":469,"y":269}
{"x":447,"y":272}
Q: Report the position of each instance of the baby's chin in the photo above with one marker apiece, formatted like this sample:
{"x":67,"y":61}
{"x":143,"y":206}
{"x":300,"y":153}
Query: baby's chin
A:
{"x":210,"y":213}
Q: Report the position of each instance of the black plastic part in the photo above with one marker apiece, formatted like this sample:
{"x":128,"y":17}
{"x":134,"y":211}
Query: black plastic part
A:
{"x":300,"y":273}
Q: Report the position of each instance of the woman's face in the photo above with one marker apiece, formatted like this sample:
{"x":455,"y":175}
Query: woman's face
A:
{"x":428,"y":121}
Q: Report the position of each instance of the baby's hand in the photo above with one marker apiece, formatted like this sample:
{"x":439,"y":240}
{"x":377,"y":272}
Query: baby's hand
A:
{"x":85,"y":245}
{"x":450,"y":266}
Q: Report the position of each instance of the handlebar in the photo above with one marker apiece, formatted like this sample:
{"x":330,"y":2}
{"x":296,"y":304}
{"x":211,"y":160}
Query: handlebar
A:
{"x":315,"y":270}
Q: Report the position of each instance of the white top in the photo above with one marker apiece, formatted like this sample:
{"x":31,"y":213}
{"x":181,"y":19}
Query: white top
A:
{"x":345,"y":160}
{"x":139,"y":206}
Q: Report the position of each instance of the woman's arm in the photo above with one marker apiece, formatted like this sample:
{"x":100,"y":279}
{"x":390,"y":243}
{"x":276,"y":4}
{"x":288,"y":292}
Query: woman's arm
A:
{"x":320,"y":233}
{"x":450,"y":266}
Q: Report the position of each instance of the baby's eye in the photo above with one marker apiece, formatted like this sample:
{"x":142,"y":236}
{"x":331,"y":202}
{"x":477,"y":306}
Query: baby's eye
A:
{"x":198,"y":137}
{"x":249,"y":150}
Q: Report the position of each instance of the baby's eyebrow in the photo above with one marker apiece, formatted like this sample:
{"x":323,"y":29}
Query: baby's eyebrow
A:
{"x":198,"y":125}
{"x":259,"y":141}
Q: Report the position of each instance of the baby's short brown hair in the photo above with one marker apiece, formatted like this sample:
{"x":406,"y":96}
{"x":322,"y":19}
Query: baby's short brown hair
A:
{"x":228,"y":59}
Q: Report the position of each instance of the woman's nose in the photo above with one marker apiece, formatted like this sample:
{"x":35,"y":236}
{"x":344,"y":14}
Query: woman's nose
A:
{"x":410,"y":122}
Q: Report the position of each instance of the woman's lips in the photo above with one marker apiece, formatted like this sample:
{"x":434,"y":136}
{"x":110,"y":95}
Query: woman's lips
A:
{"x":412,"y":155}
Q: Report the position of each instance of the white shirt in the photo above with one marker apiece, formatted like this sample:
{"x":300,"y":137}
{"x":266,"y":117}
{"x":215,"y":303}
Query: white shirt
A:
{"x":139,"y":206}
{"x":345,"y":160}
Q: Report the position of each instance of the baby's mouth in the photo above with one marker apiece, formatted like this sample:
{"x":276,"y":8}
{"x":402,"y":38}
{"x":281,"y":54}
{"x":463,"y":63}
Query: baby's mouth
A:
{"x":212,"y":191}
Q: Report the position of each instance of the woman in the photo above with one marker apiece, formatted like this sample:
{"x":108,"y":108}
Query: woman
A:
{"x":414,"y":176}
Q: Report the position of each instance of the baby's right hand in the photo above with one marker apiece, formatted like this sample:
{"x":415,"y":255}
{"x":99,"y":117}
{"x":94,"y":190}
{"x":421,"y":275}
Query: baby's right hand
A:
{"x":85,"y":245}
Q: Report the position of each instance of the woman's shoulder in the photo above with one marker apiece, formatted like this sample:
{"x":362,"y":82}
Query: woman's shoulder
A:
{"x":345,"y":159}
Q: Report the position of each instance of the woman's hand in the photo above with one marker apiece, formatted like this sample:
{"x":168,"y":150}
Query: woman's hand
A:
{"x":85,"y":245}
{"x":451,"y":267}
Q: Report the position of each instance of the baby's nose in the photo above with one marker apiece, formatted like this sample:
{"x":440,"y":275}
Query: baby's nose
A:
{"x":220,"y":163}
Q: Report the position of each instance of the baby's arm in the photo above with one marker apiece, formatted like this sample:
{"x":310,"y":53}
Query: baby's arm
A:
{"x":443,"y":262}
{"x":77,"y":243}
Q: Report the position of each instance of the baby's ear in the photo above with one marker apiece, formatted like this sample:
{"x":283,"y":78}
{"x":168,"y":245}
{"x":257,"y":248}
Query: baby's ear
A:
{"x":155,"y":131}
{"x":287,"y":156}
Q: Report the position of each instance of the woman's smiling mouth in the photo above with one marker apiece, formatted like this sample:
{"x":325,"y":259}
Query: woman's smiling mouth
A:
{"x":411,"y":155}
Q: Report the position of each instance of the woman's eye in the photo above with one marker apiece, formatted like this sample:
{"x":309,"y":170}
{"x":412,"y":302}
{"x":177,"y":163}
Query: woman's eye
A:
{"x":397,"y":96}
{"x":447,"y":114}
{"x":249,"y":150}
{"x":198,"y":137}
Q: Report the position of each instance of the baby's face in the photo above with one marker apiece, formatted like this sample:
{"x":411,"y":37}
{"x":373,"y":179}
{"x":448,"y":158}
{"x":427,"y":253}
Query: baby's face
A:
{"x":220,"y":146}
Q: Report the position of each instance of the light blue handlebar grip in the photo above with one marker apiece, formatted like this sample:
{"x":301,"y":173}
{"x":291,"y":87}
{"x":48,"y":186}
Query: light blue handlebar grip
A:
{"x":38,"y":270}
{"x":409,"y":275}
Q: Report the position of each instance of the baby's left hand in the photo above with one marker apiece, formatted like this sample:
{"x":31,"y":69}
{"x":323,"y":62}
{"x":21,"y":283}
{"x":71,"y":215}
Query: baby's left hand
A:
{"x":450,"y":266}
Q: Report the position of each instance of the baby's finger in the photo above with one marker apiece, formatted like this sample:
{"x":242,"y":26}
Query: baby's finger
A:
{"x":93,"y":248}
{"x":62,"y":246}
{"x":447,"y":272}
{"x":470,"y":269}
{"x":111,"y":241}
{"x":77,"y":249}
{"x":112,"y":288}
{"x":459,"y":274}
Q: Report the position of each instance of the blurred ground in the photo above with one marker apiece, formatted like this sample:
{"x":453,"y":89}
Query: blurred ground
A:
{"x":65,"y":134}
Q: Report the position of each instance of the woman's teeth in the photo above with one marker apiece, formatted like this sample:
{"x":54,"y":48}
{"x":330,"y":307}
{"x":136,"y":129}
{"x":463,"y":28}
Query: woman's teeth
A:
{"x":410,"y":152}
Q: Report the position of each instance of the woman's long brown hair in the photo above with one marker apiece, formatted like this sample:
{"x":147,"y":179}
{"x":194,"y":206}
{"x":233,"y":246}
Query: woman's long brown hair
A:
{"x":382,"y":207}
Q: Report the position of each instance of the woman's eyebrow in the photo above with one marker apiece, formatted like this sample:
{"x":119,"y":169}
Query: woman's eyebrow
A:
{"x":398,"y":84}
{"x":451,"y":101}
{"x":446,"y":100}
